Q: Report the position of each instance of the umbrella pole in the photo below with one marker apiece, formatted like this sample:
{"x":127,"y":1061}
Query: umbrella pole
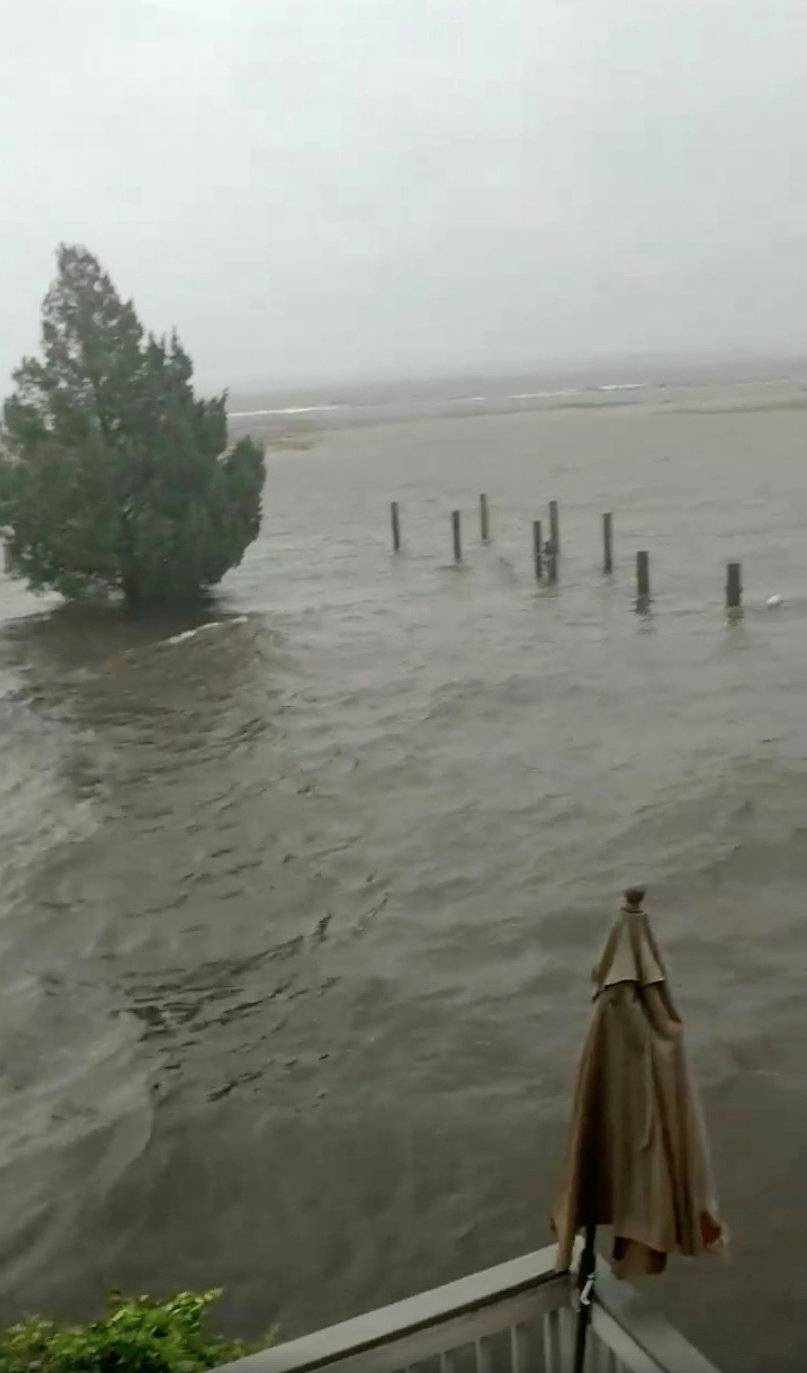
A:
{"x":585,"y":1287}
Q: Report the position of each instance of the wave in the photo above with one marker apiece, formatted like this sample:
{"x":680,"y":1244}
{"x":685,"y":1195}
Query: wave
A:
{"x":546,"y":395}
{"x":416,"y":402}
{"x":283,"y":410}
{"x":201,"y":629}
{"x":624,"y":386}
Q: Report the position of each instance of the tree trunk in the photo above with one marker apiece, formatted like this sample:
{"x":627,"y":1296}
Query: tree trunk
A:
{"x":131,"y":588}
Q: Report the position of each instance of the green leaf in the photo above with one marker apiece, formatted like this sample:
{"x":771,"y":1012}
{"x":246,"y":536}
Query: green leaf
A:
{"x":137,"y":1335}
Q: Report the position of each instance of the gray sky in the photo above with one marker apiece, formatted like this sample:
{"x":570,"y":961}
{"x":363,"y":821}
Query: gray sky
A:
{"x":314,"y":188}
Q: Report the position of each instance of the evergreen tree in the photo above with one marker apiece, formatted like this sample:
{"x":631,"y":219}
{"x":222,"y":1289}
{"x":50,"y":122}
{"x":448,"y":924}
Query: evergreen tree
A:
{"x":113,"y":476}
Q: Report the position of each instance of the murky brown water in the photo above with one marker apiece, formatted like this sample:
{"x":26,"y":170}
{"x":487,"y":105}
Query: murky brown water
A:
{"x":298,"y":911}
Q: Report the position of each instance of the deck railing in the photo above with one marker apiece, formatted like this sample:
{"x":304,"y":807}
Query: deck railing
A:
{"x":516,"y":1318}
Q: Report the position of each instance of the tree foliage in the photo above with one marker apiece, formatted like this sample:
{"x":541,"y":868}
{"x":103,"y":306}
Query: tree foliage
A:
{"x":113,"y":475}
{"x":137,"y":1335}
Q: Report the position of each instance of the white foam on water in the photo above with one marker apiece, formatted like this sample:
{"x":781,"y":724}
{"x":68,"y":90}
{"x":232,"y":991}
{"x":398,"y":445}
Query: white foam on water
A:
{"x":282,"y":410}
{"x":624,"y":386}
{"x":201,"y":629}
{"x":546,"y":395}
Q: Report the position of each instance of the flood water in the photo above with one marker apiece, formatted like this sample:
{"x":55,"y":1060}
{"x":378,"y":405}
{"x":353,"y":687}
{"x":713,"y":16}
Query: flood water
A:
{"x":297,"y":912}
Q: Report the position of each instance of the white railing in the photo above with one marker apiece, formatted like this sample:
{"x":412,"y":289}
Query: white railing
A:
{"x":516,"y":1318}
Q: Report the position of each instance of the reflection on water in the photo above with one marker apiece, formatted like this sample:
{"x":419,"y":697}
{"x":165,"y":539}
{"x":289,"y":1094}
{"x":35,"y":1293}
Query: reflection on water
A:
{"x":299,"y":895}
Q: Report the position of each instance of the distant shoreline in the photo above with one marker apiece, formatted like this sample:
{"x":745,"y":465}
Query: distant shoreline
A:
{"x":297,"y":425}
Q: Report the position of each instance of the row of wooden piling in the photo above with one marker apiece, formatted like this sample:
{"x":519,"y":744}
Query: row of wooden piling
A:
{"x":546,"y":556}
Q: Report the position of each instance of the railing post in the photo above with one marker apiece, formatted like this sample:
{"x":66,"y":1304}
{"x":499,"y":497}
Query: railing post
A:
{"x":484,"y":1360}
{"x":457,"y":536}
{"x":396,"y":527}
{"x":558,"y":1347}
{"x":519,"y":1349}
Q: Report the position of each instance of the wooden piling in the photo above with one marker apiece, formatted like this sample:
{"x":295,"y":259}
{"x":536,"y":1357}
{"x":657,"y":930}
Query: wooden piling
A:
{"x":396,"y":527}
{"x":457,"y":536}
{"x":554,"y":528}
{"x":643,"y":576}
{"x":734,"y":586}
{"x":537,"y":549}
{"x":483,"y":518}
{"x":608,"y":544}
{"x":552,"y":563}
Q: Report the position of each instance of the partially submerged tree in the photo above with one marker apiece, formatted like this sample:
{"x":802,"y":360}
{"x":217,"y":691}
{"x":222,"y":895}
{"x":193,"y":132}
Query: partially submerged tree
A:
{"x":113,"y":476}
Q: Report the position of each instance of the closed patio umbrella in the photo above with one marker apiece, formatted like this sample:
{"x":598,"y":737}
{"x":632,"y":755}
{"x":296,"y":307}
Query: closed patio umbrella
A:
{"x":637,"y":1158}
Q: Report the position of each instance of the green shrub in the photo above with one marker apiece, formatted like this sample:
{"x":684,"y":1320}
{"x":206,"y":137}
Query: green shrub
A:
{"x":137,"y":1335}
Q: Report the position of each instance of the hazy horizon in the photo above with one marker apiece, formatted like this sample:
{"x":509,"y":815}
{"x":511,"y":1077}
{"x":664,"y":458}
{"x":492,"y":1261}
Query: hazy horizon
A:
{"x":322,"y":192}
{"x":652,"y":369}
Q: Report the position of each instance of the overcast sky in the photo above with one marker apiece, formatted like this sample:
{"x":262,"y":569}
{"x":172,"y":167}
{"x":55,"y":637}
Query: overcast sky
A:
{"x":317,"y":188}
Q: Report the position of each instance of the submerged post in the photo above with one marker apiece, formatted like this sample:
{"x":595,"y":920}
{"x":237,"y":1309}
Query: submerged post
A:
{"x":396,"y":527}
{"x":455,"y":530}
{"x":734,"y":587}
{"x":643,"y":576}
{"x":608,"y":543}
{"x":483,"y":518}
{"x":537,"y":550}
{"x":554,"y":528}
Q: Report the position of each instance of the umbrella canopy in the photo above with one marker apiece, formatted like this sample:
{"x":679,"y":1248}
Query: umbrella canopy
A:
{"x":637,"y":1158}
